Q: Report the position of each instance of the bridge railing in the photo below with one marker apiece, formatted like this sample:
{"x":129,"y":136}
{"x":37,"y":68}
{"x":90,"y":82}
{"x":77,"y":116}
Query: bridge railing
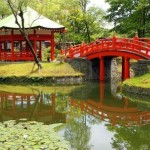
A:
{"x":132,"y":45}
{"x":136,"y":45}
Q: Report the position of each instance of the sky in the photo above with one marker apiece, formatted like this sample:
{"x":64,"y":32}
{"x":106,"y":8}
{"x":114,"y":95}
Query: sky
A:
{"x":101,"y":3}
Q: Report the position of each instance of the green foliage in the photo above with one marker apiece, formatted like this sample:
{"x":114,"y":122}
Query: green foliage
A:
{"x":46,"y":53}
{"x":4,"y":10}
{"x":82,"y":22}
{"x":133,"y":138}
{"x":130,"y":16}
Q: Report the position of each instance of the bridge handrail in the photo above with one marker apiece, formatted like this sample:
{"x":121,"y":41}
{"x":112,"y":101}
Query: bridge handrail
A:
{"x":137,"y":45}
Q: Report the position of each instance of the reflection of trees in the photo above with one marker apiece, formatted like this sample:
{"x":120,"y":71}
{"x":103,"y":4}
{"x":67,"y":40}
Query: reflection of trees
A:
{"x":132,"y":138}
{"x":93,"y":120}
{"x":77,"y":132}
{"x":88,"y":91}
{"x":62,"y":103}
{"x":37,"y":100}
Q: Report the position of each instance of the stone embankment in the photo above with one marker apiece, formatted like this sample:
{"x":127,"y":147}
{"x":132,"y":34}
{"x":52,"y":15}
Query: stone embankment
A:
{"x":139,"y":68}
{"x":136,"y":90}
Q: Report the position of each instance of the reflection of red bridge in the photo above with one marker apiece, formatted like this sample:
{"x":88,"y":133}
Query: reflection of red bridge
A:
{"x":126,"y":115}
{"x":136,"y":48}
{"x":30,"y":106}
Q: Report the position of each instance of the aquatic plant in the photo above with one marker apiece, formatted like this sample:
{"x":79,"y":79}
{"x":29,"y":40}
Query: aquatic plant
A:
{"x":30,"y":135}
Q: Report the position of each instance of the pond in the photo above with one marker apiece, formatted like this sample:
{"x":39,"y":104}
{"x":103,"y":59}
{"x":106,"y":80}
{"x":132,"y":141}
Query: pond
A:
{"x":95,"y":115}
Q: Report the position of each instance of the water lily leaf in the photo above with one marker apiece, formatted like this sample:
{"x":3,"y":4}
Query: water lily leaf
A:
{"x":29,"y":135}
{"x":2,"y":140}
{"x":37,"y":147}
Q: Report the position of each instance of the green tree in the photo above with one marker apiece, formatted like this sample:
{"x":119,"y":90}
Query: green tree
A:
{"x":17,"y":8}
{"x":82,"y":21}
{"x":130,"y":16}
{"x":133,"y":138}
{"x":77,"y":132}
{"x":4,"y":9}
{"x":85,"y":21}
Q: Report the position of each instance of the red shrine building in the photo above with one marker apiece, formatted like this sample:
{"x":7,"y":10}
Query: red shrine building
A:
{"x":13,"y":46}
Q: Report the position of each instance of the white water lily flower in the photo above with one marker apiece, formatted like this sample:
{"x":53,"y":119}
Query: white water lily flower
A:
{"x":25,"y":136}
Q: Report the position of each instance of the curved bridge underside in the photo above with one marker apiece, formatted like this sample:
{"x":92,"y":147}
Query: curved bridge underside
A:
{"x":120,"y":53}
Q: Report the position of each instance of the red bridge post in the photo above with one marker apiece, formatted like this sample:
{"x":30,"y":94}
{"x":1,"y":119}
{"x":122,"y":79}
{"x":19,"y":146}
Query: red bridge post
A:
{"x":101,"y":69}
{"x":125,"y":68}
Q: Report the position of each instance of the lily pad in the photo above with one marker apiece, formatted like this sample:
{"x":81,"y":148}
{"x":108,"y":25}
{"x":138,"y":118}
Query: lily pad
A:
{"x":30,"y":135}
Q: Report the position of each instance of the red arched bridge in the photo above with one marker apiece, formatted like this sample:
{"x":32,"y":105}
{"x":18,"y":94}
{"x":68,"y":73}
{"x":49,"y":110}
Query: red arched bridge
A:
{"x":127,"y":48}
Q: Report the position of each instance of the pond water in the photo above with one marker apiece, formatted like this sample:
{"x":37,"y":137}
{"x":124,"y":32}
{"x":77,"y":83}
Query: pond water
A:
{"x":95,"y":115}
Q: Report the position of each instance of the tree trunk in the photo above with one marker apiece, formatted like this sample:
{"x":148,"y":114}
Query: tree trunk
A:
{"x":33,"y":52}
{"x":19,"y":13}
{"x":87,"y":32}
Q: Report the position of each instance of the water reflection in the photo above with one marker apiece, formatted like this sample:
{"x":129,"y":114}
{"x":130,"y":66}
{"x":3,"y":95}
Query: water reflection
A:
{"x":38,"y":107}
{"x":97,"y":116}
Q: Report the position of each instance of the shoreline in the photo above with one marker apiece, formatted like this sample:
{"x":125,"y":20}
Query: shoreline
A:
{"x":138,"y":85}
{"x":135,"y":90}
{"x":54,"y":72}
{"x":46,"y":80}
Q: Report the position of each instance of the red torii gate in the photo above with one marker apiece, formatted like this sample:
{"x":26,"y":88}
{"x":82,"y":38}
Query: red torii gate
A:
{"x":13,"y":46}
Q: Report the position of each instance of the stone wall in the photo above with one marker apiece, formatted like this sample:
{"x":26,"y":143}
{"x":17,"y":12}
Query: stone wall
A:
{"x":82,"y":65}
{"x":111,"y":68}
{"x":141,"y":67}
{"x":91,"y":68}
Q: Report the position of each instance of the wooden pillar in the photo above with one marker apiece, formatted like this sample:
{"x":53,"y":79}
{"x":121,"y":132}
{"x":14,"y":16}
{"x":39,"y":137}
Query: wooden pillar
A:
{"x":12,"y":46}
{"x":20,"y":45}
{"x":20,"y":42}
{"x":122,"y":68}
{"x":40,"y":49}
{"x":0,"y":49}
{"x":102,"y":69}
{"x":52,"y":46}
{"x":125,"y":68}
{"x":34,"y":45}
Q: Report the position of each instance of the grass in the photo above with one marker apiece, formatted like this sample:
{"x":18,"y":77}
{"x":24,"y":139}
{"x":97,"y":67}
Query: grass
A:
{"x":142,"y":81}
{"x":53,"y":69}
